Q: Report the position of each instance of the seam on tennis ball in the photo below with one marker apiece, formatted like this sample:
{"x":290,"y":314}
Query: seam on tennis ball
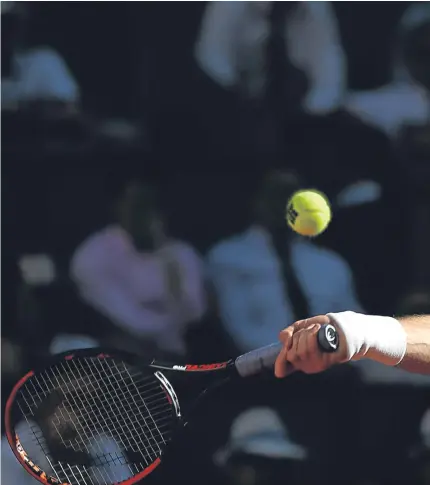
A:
{"x":312,"y":211}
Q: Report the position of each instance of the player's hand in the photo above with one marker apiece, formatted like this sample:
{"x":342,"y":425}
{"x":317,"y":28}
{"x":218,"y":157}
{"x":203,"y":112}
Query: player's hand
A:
{"x":300,"y":349}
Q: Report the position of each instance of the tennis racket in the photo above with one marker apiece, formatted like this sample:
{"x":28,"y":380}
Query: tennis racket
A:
{"x":93,"y":417}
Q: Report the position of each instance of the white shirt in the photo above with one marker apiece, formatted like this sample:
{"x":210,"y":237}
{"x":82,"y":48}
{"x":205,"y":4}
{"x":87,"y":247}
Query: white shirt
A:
{"x":391,"y":107}
{"x":38,"y":73}
{"x":248,"y":280}
{"x":232,"y":40}
{"x":403,"y":101}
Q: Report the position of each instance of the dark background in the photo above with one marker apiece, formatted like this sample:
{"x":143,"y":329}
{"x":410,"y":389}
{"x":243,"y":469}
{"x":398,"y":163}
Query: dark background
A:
{"x":133,"y":60}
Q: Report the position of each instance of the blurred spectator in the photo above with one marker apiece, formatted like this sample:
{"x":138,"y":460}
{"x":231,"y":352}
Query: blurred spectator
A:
{"x":146,"y":283}
{"x":406,"y":99}
{"x":235,"y":38}
{"x":259,"y":450}
{"x":256,"y":66}
{"x":33,"y":78}
{"x":267,"y":277}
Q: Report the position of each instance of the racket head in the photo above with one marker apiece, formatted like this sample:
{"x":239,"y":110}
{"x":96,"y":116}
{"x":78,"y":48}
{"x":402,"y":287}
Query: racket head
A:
{"x":91,"y":416}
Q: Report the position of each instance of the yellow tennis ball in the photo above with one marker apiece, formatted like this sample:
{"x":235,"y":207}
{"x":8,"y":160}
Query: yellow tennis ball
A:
{"x":308,"y":212}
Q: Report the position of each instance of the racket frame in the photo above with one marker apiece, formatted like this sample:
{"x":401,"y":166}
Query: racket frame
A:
{"x":101,"y":353}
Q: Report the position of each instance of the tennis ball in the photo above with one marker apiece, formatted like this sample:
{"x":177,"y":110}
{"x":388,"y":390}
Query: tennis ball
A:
{"x":308,"y":212}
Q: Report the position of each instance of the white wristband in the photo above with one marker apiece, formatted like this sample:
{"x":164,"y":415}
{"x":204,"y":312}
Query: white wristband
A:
{"x":382,"y":339}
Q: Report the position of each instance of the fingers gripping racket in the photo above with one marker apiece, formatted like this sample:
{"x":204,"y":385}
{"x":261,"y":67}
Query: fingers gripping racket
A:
{"x":95,"y":417}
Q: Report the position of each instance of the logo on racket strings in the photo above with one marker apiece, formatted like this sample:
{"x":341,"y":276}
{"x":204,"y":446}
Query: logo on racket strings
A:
{"x":34,"y":468}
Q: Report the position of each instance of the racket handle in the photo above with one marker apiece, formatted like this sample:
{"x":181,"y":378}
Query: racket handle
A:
{"x":264,"y":357}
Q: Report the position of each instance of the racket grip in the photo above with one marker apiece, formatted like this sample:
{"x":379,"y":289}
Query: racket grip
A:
{"x":265,"y":357}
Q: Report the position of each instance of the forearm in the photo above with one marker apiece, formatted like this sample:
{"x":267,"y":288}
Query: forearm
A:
{"x":417,"y":357}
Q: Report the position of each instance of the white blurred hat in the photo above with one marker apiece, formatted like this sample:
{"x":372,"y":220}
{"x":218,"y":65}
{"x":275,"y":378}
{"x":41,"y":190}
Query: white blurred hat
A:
{"x":260,"y":432}
{"x":359,"y":193}
{"x":64,"y":342}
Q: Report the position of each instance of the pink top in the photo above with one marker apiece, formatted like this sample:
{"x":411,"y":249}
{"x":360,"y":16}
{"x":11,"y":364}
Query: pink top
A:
{"x":134,"y":289}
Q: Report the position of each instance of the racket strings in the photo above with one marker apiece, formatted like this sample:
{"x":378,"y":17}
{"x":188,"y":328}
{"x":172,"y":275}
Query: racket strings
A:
{"x":121,"y":421}
{"x":100,"y":403}
{"x":46,"y":389}
{"x":156,"y":399}
{"x":111,"y":457}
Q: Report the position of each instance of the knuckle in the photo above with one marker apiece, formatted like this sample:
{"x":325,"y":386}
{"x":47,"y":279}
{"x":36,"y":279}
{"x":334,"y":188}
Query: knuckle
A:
{"x":286,"y":334}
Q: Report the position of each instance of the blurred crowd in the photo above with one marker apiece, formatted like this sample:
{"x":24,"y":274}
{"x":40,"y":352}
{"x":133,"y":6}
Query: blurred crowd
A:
{"x":148,"y":151}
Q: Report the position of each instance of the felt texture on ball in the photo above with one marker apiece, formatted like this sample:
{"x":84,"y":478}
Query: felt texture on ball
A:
{"x":308,"y":212}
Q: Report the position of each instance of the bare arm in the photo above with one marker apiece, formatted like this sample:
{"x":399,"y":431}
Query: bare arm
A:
{"x":417,"y":357}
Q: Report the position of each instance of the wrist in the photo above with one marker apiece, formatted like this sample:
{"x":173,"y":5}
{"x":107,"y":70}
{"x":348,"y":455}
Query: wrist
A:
{"x":378,"y":338}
